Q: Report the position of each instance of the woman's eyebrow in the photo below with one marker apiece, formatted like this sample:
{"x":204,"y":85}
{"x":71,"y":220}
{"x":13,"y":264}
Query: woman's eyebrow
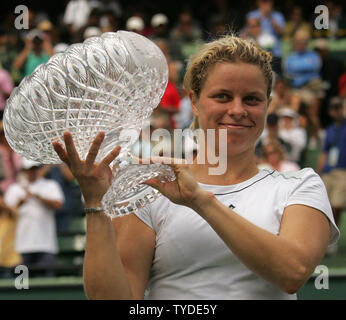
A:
{"x":255,"y":93}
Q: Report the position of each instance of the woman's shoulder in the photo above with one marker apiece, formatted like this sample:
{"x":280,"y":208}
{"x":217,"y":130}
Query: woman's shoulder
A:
{"x":291,"y":181}
{"x":295,"y":174}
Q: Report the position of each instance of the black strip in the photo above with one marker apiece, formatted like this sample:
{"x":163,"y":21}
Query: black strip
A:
{"x":221,"y":194}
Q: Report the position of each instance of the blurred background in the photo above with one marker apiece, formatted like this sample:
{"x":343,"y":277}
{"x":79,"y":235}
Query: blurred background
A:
{"x":42,"y":224}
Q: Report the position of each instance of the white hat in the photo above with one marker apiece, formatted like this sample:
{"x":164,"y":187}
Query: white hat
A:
{"x":266,"y":41}
{"x":287,"y":112}
{"x":92,"y":32}
{"x":35,"y":33}
{"x":28,"y":164}
{"x":158,"y":19}
{"x":135,"y":23}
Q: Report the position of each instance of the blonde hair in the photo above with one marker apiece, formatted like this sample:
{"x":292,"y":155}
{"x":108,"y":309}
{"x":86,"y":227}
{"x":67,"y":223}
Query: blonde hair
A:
{"x":226,"y":49}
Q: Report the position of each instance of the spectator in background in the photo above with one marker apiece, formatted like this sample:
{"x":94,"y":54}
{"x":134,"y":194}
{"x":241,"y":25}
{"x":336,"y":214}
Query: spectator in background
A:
{"x":49,"y":31}
{"x":271,"y":133}
{"x":73,"y":205}
{"x":296,"y":24}
{"x":281,"y":96}
{"x":11,"y":161}
{"x":314,"y":137}
{"x":342,"y":91}
{"x":160,"y":120}
{"x":109,"y":22}
{"x":274,"y":158}
{"x":291,"y":133}
{"x":6,"y":87}
{"x":187,"y":34}
{"x":93,"y":22}
{"x":75,"y":17}
{"x":303,"y":66}
{"x":110,"y":6}
{"x":272,"y":24}
{"x":9,"y":257}
{"x":170,"y":102}
{"x":7,"y":53}
{"x":342,"y":86}
{"x":160,"y":25}
{"x":36,"y":199}
{"x":332,"y":162}
{"x":184,"y":117}
{"x":330,"y":72}
{"x":174,"y":67}
{"x":38,"y":49}
{"x":252,"y":30}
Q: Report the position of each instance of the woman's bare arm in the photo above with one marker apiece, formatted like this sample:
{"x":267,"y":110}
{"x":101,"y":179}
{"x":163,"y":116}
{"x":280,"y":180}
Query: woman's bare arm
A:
{"x":287,"y":259}
{"x":116,"y":259}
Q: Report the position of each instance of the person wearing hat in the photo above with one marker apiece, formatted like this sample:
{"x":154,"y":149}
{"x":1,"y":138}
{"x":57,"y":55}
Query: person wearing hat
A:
{"x":36,"y":200}
{"x":332,"y":161}
{"x":160,"y":25}
{"x":291,"y":133}
{"x":37,"y":50}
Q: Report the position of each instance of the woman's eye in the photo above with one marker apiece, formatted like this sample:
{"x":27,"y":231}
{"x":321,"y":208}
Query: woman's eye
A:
{"x":252,"y":99}
{"x":221,"y":96}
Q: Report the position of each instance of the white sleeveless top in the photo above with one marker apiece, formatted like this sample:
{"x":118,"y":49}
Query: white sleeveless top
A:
{"x":192,"y":262}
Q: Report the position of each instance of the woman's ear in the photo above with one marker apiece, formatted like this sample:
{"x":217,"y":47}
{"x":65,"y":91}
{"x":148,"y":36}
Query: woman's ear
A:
{"x":193,"y":98}
{"x":269,"y":102}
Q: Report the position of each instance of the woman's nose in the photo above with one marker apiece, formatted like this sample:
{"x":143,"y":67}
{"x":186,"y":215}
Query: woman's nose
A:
{"x":236,"y":108}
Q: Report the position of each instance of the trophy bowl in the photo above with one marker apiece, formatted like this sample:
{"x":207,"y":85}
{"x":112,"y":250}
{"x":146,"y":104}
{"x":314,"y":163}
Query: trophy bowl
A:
{"x":110,"y":83}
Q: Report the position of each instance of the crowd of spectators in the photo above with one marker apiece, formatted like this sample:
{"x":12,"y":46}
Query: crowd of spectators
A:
{"x":305,"y":126}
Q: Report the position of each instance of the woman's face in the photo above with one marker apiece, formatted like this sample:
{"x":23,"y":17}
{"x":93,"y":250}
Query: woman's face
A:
{"x":234,"y":97}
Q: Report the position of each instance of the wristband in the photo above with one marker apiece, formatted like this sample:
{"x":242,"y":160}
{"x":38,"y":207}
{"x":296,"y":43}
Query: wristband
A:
{"x":93,"y":210}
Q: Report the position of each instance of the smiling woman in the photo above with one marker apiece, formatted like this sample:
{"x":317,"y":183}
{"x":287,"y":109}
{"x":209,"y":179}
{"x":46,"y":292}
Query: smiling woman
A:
{"x":244,"y":234}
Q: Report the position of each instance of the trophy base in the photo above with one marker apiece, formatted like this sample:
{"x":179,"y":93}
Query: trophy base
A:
{"x":127,"y":194}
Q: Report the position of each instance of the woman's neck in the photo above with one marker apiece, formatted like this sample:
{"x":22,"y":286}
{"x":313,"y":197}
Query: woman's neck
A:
{"x":239,"y":168}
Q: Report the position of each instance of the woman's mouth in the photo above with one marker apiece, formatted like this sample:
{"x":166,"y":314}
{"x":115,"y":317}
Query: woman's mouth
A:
{"x":234,"y":126}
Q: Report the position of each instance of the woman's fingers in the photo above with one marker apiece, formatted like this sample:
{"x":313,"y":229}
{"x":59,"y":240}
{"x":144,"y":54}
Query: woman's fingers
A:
{"x":111,"y":156}
{"x":70,"y":148}
{"x":94,"y":149}
{"x":62,"y":154}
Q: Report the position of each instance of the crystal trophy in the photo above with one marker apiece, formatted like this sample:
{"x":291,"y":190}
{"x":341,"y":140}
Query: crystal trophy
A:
{"x":110,"y":83}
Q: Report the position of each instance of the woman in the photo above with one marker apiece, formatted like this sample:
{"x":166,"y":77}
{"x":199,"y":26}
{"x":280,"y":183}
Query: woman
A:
{"x":240,"y":235}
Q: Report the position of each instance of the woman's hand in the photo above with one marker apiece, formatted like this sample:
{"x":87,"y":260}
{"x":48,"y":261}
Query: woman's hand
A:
{"x":185,"y":189}
{"x":94,"y":178}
